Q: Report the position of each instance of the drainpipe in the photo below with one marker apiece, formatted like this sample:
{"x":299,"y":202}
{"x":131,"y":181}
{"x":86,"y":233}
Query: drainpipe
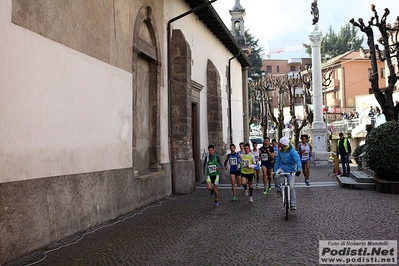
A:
{"x":343,"y":86}
{"x":169,"y":55}
{"x":229,"y":80}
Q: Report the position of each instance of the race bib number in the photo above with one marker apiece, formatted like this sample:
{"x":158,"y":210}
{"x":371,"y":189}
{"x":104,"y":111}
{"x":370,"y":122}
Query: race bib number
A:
{"x":275,"y":153}
{"x":265,"y":156}
{"x":212,"y":169}
{"x":305,"y":155}
{"x":245,"y":162}
{"x":233,"y":161}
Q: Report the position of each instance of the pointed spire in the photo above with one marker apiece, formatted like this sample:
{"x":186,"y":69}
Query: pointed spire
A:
{"x":237,"y":6}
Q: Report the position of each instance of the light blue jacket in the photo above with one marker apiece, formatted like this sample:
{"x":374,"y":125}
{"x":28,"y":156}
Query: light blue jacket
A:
{"x":288,"y":160}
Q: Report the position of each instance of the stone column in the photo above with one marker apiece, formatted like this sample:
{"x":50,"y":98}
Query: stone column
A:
{"x":319,"y":129}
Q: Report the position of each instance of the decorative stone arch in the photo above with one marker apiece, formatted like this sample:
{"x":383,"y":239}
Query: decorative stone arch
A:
{"x":146,"y":48}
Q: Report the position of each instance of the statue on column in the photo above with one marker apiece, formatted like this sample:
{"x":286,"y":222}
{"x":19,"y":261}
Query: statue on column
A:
{"x":314,"y":10}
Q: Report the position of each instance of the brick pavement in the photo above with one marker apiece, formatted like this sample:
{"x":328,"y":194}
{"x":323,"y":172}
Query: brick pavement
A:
{"x":189,"y":230}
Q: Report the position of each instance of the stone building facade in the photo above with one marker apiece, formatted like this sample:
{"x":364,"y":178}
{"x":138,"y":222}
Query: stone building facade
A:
{"x":101,"y":113}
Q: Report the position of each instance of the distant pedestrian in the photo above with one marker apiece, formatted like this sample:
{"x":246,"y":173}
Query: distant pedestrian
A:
{"x":344,"y":150}
{"x":267,"y":159}
{"x":377,"y":111}
{"x":371,"y":114}
{"x":247,"y":171}
{"x":234,"y":158}
{"x":305,"y":152}
{"x":212,"y":164}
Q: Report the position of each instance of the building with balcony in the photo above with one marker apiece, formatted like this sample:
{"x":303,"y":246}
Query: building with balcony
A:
{"x":349,"y":78}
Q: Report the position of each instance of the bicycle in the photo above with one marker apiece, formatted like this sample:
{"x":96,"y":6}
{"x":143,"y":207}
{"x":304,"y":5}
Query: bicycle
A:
{"x":285,"y":191}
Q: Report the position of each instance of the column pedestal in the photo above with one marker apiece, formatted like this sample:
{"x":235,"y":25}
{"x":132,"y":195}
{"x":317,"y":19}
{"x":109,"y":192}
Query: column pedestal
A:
{"x":320,"y":154}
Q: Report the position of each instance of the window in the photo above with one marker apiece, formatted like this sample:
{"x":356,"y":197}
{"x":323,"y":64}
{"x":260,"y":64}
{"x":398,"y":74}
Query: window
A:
{"x":370,"y":71}
{"x":268,"y":69}
{"x":382,"y":71}
{"x":278,"y":69}
{"x":292,"y":68}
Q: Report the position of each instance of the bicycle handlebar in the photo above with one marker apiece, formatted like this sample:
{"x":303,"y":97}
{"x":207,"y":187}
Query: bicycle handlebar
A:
{"x":282,"y":173}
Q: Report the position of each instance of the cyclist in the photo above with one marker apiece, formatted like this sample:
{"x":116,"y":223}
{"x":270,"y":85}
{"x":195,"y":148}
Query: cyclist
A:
{"x":288,"y":161}
{"x":233,"y":158}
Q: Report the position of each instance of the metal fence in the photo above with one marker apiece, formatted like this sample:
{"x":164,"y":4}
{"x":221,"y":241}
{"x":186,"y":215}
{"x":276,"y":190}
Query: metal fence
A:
{"x":348,"y":124}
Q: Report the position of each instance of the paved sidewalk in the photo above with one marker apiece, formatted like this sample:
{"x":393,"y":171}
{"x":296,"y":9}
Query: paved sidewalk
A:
{"x":189,"y":230}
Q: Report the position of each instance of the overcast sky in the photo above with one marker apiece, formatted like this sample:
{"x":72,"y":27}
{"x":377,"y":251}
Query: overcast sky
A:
{"x":284,"y":23}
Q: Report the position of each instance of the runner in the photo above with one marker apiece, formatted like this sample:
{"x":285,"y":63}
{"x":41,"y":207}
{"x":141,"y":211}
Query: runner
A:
{"x":255,"y":152}
{"x":267,"y":158}
{"x":305,"y":152}
{"x":247,"y":170}
{"x":276,"y":148}
{"x":233,"y":158}
{"x":241,"y":152}
{"x":212,"y":164}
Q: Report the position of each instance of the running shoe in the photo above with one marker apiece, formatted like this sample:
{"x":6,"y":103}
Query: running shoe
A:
{"x":269,"y":188}
{"x":278,"y":194}
{"x":257,"y":186}
{"x":216,"y":203}
{"x":211,"y":195}
{"x":307,"y":182}
{"x":246,"y":192}
{"x":251,"y":199}
{"x":293,"y":208}
{"x":264,"y":191}
{"x":234,"y":198}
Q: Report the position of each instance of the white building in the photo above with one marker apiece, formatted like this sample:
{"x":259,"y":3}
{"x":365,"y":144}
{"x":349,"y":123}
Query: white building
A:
{"x":96,"y":121}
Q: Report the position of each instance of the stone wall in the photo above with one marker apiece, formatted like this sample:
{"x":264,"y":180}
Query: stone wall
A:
{"x":181,"y":92}
{"x":214,"y":112}
{"x":38,"y":212}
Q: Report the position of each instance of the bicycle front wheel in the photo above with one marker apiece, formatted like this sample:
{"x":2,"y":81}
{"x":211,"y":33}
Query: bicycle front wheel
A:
{"x":286,"y":201}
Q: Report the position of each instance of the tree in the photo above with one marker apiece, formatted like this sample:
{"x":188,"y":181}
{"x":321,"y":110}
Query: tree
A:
{"x":261,"y":89}
{"x":291,"y":83}
{"x":255,"y":57}
{"x":306,"y":79}
{"x":388,"y":32}
{"x":335,"y":44}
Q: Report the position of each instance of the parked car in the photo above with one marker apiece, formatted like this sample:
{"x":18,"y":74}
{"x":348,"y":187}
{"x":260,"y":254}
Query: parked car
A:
{"x":257,"y":140}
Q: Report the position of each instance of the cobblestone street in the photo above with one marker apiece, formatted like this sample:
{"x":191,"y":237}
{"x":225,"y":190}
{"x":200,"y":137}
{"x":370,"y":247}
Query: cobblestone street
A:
{"x":189,"y":230}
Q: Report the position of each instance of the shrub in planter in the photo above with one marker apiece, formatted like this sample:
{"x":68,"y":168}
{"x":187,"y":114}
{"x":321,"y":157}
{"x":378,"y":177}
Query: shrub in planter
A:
{"x":359,"y":150}
{"x":382,"y":148}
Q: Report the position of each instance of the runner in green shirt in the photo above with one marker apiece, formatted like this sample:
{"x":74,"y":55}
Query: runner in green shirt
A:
{"x":212,"y":164}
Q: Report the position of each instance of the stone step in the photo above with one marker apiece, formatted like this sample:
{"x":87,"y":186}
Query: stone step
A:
{"x":321,"y":164}
{"x":368,"y":171}
{"x":349,"y":182}
{"x":362,"y":177}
